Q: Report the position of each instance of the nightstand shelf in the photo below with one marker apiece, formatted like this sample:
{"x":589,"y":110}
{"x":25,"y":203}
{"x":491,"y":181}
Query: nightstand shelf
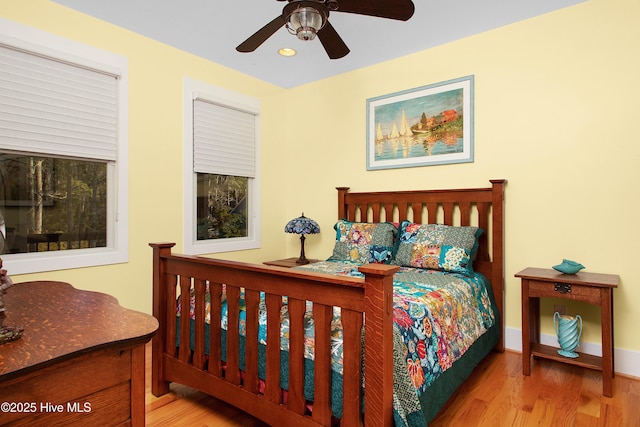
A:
{"x":592,"y":288}
{"x":549,"y":352}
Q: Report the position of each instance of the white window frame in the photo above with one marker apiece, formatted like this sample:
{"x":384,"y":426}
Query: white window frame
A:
{"x":196,"y":89}
{"x":117,"y":250}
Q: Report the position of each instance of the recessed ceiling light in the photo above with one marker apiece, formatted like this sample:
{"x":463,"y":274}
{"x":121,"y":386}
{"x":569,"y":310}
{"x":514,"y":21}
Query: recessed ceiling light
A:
{"x":285,"y":51}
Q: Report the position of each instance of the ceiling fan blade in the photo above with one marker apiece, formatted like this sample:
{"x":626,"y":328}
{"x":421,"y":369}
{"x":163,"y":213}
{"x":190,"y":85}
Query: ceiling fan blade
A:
{"x":332,"y":42}
{"x":260,"y":36}
{"x":396,"y":9}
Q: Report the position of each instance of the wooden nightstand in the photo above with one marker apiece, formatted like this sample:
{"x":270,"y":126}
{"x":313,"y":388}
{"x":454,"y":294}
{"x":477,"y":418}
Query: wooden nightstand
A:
{"x":591,"y":288}
{"x":287,"y":262}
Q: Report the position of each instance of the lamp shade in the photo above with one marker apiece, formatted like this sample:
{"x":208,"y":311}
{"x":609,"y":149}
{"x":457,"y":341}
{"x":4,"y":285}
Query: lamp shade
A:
{"x":302,"y":225}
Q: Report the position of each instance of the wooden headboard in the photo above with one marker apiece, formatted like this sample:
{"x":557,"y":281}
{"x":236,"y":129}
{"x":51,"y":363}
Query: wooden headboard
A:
{"x":481,"y":207}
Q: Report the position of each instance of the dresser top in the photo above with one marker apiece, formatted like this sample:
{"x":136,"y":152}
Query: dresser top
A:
{"x":61,"y":322}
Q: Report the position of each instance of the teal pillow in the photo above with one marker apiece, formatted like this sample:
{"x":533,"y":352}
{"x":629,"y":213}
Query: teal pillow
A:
{"x":364,"y":242}
{"x":437,"y":247}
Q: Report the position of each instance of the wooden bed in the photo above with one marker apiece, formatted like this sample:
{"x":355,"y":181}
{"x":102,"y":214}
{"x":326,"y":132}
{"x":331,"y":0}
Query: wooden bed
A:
{"x":179,"y":352}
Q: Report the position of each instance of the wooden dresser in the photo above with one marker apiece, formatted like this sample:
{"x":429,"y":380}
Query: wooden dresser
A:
{"x":80,"y":359}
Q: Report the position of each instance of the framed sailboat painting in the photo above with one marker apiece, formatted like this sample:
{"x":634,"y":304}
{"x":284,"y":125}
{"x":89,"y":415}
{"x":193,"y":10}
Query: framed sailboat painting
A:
{"x":429,"y":125}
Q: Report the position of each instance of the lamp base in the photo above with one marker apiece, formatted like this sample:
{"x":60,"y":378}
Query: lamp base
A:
{"x":303,"y":259}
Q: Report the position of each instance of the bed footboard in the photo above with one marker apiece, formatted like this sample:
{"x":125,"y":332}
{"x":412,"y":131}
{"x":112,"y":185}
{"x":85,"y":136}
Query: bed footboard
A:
{"x":179,"y":353}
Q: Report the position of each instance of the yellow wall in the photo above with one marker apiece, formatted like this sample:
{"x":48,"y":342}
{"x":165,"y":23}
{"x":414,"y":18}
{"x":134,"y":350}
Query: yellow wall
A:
{"x":555,"y":104}
{"x":156,"y":74}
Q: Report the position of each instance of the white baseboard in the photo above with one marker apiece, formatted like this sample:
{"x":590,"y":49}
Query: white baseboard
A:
{"x":627,"y":362}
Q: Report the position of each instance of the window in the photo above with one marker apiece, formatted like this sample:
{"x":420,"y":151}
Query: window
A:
{"x":221,"y":172}
{"x":63,"y":164}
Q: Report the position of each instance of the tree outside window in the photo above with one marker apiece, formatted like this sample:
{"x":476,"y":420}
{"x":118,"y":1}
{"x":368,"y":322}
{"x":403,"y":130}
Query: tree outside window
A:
{"x":51,"y":204}
{"x":221,"y":206}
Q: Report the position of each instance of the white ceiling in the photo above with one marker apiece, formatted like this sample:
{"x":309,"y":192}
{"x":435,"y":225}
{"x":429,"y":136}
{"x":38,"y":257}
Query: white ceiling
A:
{"x":213,"y":28}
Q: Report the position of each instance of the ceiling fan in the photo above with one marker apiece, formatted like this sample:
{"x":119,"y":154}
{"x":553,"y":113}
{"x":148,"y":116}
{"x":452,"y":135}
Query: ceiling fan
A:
{"x":308,"y":18}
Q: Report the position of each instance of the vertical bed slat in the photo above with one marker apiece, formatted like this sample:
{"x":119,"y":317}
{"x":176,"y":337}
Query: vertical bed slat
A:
{"x":252,"y":299}
{"x":483,"y":222}
{"x":232,"y":372}
{"x":171,"y":314}
{"x":465,"y":214}
{"x":296,"y":400}
{"x":185,"y":319}
{"x":448,"y":213}
{"x":198,"y":349}
{"x":432,"y":209}
{"x":388,"y":212}
{"x":272,"y":381}
{"x":322,"y":315}
{"x":215,"y":296}
{"x":416,"y":209}
{"x":352,"y":367}
{"x":402,"y":211}
{"x":352,"y":213}
{"x":375,"y":210}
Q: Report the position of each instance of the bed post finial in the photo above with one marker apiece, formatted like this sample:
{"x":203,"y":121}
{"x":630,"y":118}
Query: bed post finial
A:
{"x":160,"y":250}
{"x":497,"y":270}
{"x":378,"y":295}
{"x":342,"y":207}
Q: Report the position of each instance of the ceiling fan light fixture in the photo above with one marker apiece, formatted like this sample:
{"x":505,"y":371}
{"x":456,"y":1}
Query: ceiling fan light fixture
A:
{"x":305,"y":21}
{"x":310,"y":18}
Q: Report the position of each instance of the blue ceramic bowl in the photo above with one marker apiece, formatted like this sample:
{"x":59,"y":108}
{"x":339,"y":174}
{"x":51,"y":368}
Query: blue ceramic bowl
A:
{"x":568,"y":267}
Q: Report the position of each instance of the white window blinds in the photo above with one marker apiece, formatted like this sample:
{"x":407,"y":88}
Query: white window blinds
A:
{"x":223,"y":140}
{"x":56,"y":108}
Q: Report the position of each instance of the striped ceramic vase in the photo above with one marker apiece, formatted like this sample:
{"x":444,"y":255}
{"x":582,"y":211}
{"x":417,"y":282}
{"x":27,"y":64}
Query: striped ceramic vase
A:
{"x":568,"y":329}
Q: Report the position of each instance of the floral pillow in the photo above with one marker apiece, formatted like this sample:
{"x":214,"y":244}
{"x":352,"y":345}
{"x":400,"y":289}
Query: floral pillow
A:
{"x":364,"y":242}
{"x":437,"y":247}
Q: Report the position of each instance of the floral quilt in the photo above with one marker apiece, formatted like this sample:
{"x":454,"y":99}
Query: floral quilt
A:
{"x":437,"y":316}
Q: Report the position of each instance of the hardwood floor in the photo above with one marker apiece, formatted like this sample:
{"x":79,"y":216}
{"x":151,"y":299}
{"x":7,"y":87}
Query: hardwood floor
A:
{"x":556,"y":394}
{"x":496,"y":394}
